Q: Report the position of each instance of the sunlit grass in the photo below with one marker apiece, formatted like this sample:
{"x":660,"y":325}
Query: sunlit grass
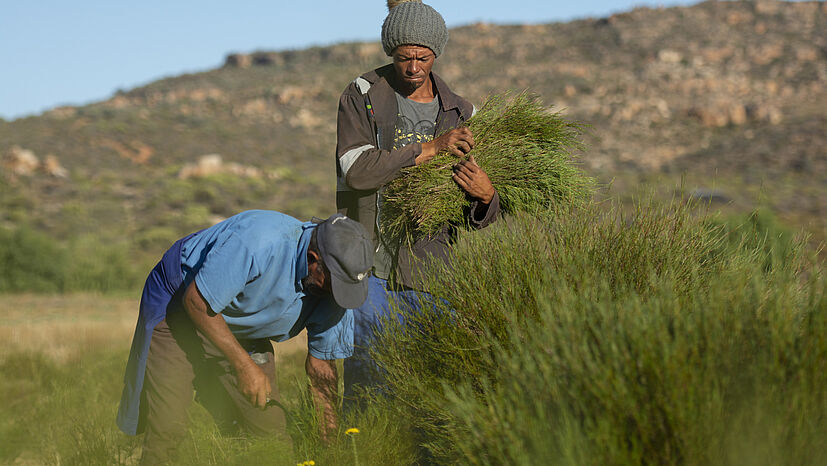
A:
{"x":64,"y":328}
{"x":62,"y":359}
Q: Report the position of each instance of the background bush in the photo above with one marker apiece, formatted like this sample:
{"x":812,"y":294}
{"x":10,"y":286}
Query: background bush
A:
{"x":34,"y":262}
{"x":585,"y":337}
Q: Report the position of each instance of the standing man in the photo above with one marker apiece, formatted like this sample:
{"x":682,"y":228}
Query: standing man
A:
{"x":213,"y":303}
{"x":393,"y":117}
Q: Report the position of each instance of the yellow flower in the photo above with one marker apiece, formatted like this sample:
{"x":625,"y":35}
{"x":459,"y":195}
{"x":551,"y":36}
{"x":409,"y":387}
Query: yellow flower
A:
{"x":311,"y":463}
{"x":352,"y":430}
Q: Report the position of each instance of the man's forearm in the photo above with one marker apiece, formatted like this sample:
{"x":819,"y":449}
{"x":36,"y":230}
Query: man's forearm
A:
{"x":374,"y":168}
{"x":324,"y":388}
{"x":252,"y":381}
{"x":213,"y":326}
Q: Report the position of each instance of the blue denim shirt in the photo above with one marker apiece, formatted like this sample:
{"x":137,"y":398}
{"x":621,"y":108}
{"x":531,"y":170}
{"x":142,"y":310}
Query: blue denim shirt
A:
{"x":249,"y":268}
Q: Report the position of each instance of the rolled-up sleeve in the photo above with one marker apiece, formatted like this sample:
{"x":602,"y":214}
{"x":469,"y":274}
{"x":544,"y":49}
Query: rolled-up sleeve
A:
{"x":330,"y":332}
{"x":228,"y":267}
{"x":481,"y":215}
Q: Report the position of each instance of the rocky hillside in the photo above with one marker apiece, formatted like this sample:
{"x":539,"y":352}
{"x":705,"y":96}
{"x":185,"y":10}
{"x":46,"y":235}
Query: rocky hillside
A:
{"x":726,"y":99}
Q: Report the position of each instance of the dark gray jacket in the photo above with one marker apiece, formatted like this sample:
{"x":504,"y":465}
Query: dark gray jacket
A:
{"x":366,"y":161}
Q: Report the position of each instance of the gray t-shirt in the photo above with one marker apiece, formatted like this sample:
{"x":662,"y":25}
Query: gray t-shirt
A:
{"x":415,"y":122}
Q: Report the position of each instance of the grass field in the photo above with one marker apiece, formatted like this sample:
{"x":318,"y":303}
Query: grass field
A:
{"x":597,"y":335}
{"x":65,"y":327}
{"x":61,"y":367}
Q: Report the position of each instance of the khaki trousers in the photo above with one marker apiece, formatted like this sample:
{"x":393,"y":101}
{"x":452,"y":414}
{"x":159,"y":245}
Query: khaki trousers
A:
{"x":181,"y":359}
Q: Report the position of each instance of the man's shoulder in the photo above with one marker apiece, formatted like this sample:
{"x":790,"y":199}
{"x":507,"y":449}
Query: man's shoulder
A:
{"x":262,"y":228}
{"x":383,"y":73}
{"x":264,"y":218}
{"x":451,"y":99}
{"x":363,"y":83}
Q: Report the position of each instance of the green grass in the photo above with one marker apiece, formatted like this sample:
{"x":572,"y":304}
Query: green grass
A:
{"x":62,"y":413}
{"x":61,"y":368}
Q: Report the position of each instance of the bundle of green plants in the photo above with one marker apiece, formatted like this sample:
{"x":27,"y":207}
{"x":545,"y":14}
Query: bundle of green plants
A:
{"x":586,"y":336}
{"x":527,"y":152}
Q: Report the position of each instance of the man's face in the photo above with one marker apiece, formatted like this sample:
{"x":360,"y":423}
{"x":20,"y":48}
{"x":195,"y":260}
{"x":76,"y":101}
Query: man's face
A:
{"x":317,"y":281}
{"x":412,"y":64}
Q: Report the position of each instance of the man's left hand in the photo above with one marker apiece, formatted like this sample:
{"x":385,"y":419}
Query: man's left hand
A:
{"x":473,"y":180}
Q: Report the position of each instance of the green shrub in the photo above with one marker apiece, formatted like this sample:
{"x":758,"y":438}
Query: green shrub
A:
{"x":102,"y":267}
{"x":584,"y":337}
{"x":731,"y":379}
{"x":760,"y":231}
{"x":30,"y":261}
{"x":33,"y":262}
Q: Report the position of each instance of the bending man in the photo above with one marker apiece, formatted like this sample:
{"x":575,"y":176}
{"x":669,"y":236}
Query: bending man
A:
{"x":213,"y":303}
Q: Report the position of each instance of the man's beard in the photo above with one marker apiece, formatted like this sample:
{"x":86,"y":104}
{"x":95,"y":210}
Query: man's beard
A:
{"x":311,"y":288}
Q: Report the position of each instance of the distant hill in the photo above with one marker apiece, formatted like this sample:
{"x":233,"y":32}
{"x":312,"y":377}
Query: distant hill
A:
{"x":728,"y":95}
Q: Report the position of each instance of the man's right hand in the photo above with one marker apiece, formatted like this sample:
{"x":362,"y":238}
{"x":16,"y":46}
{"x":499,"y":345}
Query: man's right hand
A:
{"x":459,"y":141}
{"x":253,"y":384}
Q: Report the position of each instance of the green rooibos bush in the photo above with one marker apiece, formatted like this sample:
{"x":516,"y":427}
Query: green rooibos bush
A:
{"x":30,"y":261}
{"x":33,"y":262}
{"x":761,"y":232}
{"x":582,"y":337}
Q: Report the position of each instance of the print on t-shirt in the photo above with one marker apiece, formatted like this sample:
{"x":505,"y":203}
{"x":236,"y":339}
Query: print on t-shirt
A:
{"x":415,"y":121}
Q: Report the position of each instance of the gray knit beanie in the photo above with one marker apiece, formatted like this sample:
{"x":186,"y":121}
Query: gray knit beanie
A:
{"x":411,"y":22}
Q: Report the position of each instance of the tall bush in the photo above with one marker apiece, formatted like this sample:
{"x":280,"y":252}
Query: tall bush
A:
{"x":34,"y":262}
{"x":30,"y":261}
{"x":586,"y":337}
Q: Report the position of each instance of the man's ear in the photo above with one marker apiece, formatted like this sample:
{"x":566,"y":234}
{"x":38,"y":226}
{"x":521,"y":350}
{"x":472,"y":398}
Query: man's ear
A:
{"x":312,"y":256}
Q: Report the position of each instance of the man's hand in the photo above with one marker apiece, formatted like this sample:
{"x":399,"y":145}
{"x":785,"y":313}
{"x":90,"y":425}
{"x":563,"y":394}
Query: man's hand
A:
{"x":254,"y":384}
{"x":473,"y":180}
{"x":459,"y":141}
{"x":251,"y":379}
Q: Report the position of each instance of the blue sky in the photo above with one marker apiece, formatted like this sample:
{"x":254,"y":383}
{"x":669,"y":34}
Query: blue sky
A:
{"x":55,"y":52}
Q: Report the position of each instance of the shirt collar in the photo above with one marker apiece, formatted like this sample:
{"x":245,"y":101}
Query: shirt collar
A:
{"x":301,"y":258}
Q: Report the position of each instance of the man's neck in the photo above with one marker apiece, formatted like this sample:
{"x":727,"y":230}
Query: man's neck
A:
{"x":424,"y":93}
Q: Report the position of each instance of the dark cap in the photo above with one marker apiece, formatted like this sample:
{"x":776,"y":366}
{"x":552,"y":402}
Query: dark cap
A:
{"x":348,"y":255}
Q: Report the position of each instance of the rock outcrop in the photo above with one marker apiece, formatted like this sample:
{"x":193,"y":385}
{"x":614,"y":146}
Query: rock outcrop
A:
{"x":23,"y":162}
